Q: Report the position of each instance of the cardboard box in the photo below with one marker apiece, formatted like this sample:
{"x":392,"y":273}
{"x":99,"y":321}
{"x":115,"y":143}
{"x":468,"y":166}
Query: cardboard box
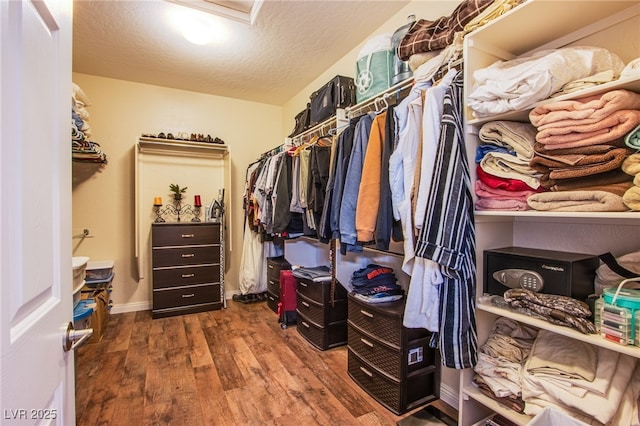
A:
{"x":100,"y":315}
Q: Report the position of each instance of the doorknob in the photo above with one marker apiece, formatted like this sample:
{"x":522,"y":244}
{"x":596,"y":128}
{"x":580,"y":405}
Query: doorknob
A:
{"x":73,"y":339}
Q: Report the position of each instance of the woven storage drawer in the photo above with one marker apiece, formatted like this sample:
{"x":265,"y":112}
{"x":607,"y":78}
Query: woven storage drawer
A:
{"x":387,"y":358}
{"x":397,"y":396}
{"x":322,"y":315}
{"x":382,"y":320}
{"x":272,"y":301}
{"x":274,"y":266}
{"x":323,"y":338}
{"x":320,"y":291}
{"x":273,"y":285}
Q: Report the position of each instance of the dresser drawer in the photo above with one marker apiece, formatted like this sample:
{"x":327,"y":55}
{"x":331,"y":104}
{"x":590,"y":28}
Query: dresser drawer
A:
{"x":397,"y":396}
{"x":275,"y":265}
{"x":272,"y":301}
{"x":320,"y":291}
{"x":185,"y":296}
{"x":182,"y":256}
{"x":385,"y":327}
{"x":323,"y":338}
{"x":398,"y":364}
{"x":189,"y":275}
{"x":185,"y":234}
{"x":273,"y":285}
{"x":383,"y":321}
{"x":322,"y":315}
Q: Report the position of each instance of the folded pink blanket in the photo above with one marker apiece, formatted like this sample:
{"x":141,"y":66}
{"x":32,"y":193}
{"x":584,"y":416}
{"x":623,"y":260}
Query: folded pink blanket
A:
{"x":577,"y":201}
{"x":622,"y":117}
{"x":624,"y":122}
{"x":485,"y":191}
{"x":594,"y":107}
{"x":492,"y":204}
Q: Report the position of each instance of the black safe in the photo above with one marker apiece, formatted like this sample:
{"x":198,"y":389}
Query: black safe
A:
{"x":563,"y":273}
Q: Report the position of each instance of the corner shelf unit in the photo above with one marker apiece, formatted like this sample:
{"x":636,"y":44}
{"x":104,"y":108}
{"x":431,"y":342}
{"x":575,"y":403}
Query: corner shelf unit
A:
{"x":614,"y":25}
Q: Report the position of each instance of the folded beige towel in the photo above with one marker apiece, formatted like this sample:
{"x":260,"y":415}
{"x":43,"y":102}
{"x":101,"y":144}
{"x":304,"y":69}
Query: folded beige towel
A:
{"x":552,"y":355}
{"x":510,"y":134}
{"x":592,"y":107}
{"x":577,"y":201}
{"x":631,"y":164}
{"x":581,"y":84}
{"x":511,"y":167}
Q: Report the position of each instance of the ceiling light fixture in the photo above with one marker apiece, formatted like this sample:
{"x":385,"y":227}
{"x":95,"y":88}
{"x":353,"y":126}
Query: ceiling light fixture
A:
{"x":197,"y":27}
{"x":244,"y":11}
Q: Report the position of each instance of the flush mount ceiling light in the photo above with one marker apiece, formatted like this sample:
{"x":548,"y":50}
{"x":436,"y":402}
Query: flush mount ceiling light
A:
{"x":244,"y":11}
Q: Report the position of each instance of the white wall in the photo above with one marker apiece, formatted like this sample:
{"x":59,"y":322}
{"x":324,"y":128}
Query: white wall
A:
{"x":103,"y":201}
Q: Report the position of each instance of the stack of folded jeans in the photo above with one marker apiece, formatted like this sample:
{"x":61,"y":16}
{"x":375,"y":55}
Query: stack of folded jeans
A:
{"x":376,"y":283}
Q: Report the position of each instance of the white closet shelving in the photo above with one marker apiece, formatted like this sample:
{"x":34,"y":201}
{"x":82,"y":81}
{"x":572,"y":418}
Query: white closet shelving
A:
{"x":532,"y":26}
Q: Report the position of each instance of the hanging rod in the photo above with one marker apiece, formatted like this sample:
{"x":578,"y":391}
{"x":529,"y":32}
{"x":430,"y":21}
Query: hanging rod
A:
{"x":322,"y":128}
{"x":394,"y":90}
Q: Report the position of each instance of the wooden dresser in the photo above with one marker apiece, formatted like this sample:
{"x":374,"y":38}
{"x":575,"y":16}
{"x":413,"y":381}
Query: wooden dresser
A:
{"x":321,"y":322}
{"x":393,"y":364}
{"x":188,"y":268}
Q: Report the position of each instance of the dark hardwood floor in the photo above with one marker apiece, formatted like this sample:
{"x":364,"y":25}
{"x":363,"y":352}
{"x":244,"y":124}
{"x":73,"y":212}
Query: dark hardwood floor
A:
{"x":235,"y":366}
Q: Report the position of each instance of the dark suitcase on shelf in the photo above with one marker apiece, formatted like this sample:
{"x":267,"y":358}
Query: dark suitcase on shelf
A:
{"x":303,"y":121}
{"x":288,"y":299}
{"x":340,"y":92}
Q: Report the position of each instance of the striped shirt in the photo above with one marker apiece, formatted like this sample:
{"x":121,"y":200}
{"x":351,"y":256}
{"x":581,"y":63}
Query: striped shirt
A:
{"x":448,"y":236}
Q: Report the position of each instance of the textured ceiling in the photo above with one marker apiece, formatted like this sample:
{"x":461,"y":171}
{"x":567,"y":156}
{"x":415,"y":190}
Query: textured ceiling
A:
{"x":290,"y":44}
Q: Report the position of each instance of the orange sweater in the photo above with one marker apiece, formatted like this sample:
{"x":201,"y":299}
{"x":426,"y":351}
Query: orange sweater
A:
{"x":369,"y":192}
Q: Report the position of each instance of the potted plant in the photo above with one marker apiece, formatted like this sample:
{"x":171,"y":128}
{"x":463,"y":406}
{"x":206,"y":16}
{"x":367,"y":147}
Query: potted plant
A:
{"x":177,"y":191}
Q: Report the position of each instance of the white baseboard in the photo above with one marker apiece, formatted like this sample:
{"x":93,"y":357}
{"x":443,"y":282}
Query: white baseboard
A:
{"x":131,"y":307}
{"x":449,"y":395}
{"x":147,"y":306}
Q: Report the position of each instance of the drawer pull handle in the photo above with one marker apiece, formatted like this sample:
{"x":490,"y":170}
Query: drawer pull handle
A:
{"x":270,"y":266}
{"x":188,"y":275}
{"x":188,"y":255}
{"x":188,"y":235}
{"x":305,"y":304}
{"x":367,"y":372}
{"x":366,"y":342}
{"x":366,"y":314}
{"x":303,"y":284}
{"x":305,"y":324}
{"x":185,"y":296}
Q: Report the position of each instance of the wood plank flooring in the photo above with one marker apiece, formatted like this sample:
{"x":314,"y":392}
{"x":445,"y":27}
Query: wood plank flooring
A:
{"x":234,"y":366}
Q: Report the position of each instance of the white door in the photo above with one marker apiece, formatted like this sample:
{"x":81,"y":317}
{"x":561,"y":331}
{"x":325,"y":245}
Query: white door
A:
{"x":37,"y":377}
